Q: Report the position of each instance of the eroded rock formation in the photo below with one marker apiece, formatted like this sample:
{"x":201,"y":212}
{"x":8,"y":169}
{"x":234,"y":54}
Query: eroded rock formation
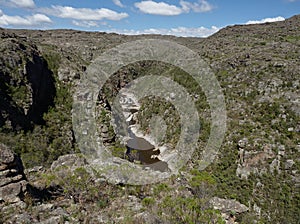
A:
{"x":12,"y":178}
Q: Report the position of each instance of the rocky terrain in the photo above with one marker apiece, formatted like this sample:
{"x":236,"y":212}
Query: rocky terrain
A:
{"x":254,"y":179}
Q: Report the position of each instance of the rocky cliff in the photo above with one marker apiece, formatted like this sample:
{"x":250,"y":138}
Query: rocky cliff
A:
{"x":27,"y":84}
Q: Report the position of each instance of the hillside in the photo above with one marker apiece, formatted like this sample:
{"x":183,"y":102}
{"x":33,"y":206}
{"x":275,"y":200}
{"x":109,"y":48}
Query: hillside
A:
{"x":253,"y":179}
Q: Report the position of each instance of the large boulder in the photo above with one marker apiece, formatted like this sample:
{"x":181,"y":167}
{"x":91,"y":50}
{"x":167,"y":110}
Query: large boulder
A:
{"x":66,"y":165}
{"x":228,"y":205}
{"x":69,"y":161}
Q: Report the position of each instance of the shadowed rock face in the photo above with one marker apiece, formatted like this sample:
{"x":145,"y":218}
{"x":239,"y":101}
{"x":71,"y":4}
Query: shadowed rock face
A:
{"x":26,"y":84}
{"x":43,"y":88}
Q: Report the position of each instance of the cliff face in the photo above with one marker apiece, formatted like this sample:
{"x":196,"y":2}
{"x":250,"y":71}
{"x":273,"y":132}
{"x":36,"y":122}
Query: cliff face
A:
{"x":255,"y":176}
{"x":27,"y":85}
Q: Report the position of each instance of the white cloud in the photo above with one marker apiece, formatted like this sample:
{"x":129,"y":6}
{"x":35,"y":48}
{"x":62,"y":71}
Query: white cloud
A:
{"x":162,"y":8}
{"x":18,"y":3}
{"x":24,"y":3}
{"x":158,"y":8}
{"x":118,"y":3}
{"x":34,"y":20}
{"x":200,"y":6}
{"x":186,"y":31}
{"x":179,"y":31}
{"x":266,"y":20}
{"x":83,"y":13}
{"x":87,"y":24}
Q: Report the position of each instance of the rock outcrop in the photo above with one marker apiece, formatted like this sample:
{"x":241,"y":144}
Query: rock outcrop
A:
{"x":229,"y":208}
{"x":12,"y":179}
{"x":228,"y":205}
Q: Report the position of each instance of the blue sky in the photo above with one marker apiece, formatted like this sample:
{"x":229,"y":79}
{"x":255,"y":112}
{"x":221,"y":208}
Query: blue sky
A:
{"x":177,"y":17}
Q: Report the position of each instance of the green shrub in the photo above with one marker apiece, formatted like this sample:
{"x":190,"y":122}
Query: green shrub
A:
{"x":148,"y":201}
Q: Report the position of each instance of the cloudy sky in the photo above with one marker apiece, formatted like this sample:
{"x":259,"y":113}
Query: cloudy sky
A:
{"x":198,"y":18}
